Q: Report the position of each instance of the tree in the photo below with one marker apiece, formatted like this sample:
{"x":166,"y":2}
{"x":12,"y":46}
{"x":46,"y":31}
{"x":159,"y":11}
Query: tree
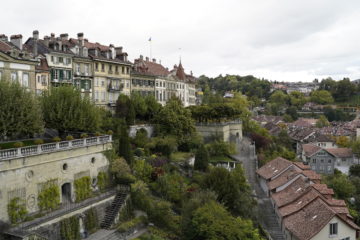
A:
{"x":20,"y":112}
{"x":125,"y":109}
{"x":213,"y":222}
{"x":121,"y":171}
{"x":153,"y":107}
{"x":321,"y":97}
{"x":124,"y":145}
{"x":174,"y":119}
{"x":342,"y":186}
{"x":297,"y":99}
{"x":201,"y":159}
{"x":344,"y":90}
{"x":343,"y":141}
{"x":139,"y":105}
{"x":65,"y":110}
{"x":355,"y":170}
{"x":279,"y":97}
{"x":292,"y":111}
{"x":322,"y":122}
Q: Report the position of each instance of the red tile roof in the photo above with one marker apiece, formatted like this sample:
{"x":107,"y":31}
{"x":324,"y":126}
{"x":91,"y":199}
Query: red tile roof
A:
{"x":302,"y":166}
{"x":273,"y":168}
{"x":4,"y":47}
{"x":284,"y":177}
{"x":310,"y":149}
{"x":340,"y":152}
{"x":323,"y":189}
{"x":311,"y":175}
{"x":291,"y":192}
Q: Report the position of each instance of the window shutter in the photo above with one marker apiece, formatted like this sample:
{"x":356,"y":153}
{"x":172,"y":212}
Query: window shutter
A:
{"x":61,"y":74}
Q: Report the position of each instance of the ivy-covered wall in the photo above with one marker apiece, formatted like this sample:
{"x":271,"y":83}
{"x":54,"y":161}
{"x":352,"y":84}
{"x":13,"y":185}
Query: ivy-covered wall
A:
{"x":16,"y":210}
{"x":49,"y":196}
{"x":70,"y":228}
{"x":103,"y":180}
{"x":91,"y":220}
{"x":82,"y":188}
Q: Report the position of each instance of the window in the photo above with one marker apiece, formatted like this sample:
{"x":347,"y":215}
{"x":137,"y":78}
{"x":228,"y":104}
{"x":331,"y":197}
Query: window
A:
{"x":68,"y":60}
{"x":103,"y":67}
{"x":333,"y":229}
{"x":13,"y":76}
{"x":38,"y":79}
{"x":123,"y":70}
{"x":25,"y":80}
{"x":78,"y":68}
{"x":117,"y":69}
{"x":329,"y":161}
{"x":96,"y":66}
{"x":322,"y":160}
{"x":314,"y":160}
{"x":86,"y":68}
{"x":61,"y":59}
{"x":102,"y":83}
{"x":52,"y":58}
{"x":43,"y":80}
{"x":347,"y":238}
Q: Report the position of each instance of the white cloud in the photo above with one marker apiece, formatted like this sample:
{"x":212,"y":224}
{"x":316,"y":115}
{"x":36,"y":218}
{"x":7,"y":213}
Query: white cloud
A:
{"x":296,"y":40}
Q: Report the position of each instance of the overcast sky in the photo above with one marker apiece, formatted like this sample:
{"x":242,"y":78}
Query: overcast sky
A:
{"x":284,"y":40}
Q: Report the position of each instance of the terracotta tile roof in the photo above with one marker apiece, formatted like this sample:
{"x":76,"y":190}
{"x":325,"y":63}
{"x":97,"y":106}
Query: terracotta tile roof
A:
{"x":310,"y":220}
{"x":291,"y":192}
{"x":4,"y":47}
{"x":284,"y":177}
{"x":302,"y":166}
{"x":299,"y":134}
{"x":323,"y":189}
{"x":151,"y":68}
{"x":336,"y":202}
{"x":305,"y":122}
{"x":340,"y":152}
{"x":311,"y":175}
{"x":273,"y":168}
{"x":310,"y":149}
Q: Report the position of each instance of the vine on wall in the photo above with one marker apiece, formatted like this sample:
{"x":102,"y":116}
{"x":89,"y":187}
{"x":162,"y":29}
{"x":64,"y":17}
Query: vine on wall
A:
{"x":16,"y":210}
{"x":70,"y":228}
{"x":103,"y":180}
{"x":82,"y":188}
{"x":91,"y":220}
{"x":49,"y":196}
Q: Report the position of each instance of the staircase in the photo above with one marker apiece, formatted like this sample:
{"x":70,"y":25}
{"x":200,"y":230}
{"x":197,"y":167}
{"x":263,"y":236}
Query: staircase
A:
{"x":112,"y":211}
{"x":270,"y":221}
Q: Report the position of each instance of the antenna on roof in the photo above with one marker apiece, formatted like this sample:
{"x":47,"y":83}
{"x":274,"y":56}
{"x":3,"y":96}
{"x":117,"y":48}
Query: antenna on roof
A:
{"x":179,"y":54}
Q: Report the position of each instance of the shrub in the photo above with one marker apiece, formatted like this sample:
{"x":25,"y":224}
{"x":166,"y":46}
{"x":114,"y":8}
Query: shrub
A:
{"x":103,"y":180}
{"x":70,"y":228}
{"x":56,"y":139}
{"x":139,"y":152}
{"x":91,"y":220}
{"x":126,"y":226}
{"x":109,"y":132}
{"x":18,"y":144}
{"x":69,"y":138}
{"x":97,"y":134}
{"x":84,"y":135}
{"x":49,"y":196}
{"x":38,"y":141}
{"x":16,"y":210}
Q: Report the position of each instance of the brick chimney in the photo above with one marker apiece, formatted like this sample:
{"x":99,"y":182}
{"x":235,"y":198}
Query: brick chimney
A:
{"x":81,"y":39}
{"x":46,"y":41}
{"x":64,"y":36}
{"x":17,"y":40}
{"x":52,"y":36}
{"x":154,"y":60}
{"x":147,"y":59}
{"x":35,"y":39}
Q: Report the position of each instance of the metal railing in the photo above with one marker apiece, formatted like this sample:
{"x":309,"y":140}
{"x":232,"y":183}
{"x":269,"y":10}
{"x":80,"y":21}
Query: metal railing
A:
{"x":52,"y":147}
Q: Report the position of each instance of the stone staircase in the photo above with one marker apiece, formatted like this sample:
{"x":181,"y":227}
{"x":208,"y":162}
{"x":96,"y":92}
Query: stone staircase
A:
{"x":270,"y":220}
{"x":112,"y":211}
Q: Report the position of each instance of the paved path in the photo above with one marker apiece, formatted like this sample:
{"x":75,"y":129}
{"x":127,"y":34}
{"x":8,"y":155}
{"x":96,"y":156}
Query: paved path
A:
{"x":266,"y":213}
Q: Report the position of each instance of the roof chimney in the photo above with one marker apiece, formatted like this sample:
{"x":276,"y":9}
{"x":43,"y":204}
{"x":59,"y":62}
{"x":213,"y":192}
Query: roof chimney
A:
{"x":3,"y":37}
{"x":46,"y":41}
{"x":141,"y":57}
{"x":64,"y":36}
{"x":17,"y":40}
{"x":35,"y":39}
{"x":81,"y":38}
{"x":52,"y":36}
{"x":154,"y":60}
{"x":147,"y":59}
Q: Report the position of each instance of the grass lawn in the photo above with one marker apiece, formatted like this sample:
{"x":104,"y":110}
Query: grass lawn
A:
{"x":180,"y":156}
{"x":216,"y":159}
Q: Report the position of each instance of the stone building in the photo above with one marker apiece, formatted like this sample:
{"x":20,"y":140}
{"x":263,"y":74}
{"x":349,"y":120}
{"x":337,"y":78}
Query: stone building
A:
{"x":227,"y":131}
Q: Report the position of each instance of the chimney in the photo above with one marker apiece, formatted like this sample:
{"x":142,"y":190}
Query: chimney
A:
{"x":154,"y":60}
{"x":59,"y":42}
{"x":147,"y":59}
{"x":52,"y":36}
{"x":3,"y":37}
{"x":17,"y":40}
{"x":35,"y":39}
{"x":191,"y":73}
{"x":141,"y":57}
{"x":118,"y":50}
{"x":64,"y":36}
{"x":81,"y":39}
{"x":46,"y":41}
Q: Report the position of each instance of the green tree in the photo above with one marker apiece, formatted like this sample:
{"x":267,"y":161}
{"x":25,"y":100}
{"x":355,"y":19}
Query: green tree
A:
{"x":142,"y":170}
{"x":297,"y":99}
{"x":153,"y":107}
{"x":279,"y":97}
{"x":201,"y":159}
{"x":20,"y":112}
{"x":139,"y":105}
{"x":322,"y":122}
{"x":121,"y":171}
{"x":125,"y":109}
{"x":343,"y":187}
{"x":124,"y":144}
{"x":213,"y":222}
{"x":321,"y":97}
{"x":65,"y":110}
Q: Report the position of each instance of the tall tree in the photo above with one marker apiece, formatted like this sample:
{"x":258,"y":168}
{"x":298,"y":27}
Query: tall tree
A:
{"x":65,"y":110}
{"x":124,"y":144}
{"x":321,"y":97}
{"x":125,"y":109}
{"x":20,"y":112}
{"x":201,"y":158}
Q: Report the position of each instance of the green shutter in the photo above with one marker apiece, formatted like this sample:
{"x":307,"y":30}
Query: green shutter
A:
{"x":52,"y":74}
{"x":61,"y":74}
{"x":69,"y":74}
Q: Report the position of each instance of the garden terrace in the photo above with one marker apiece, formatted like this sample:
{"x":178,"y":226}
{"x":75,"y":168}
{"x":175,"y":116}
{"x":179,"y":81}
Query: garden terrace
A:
{"x":53,"y":147}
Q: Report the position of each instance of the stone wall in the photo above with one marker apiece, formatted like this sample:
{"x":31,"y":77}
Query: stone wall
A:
{"x":134,"y":128}
{"x":22,"y":176}
{"x":228,"y":131}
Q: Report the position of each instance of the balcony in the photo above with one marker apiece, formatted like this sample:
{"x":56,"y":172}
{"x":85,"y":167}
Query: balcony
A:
{"x":115,"y":88}
{"x":53,"y":147}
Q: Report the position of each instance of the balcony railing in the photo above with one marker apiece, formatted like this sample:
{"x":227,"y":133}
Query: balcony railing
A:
{"x":53,"y":147}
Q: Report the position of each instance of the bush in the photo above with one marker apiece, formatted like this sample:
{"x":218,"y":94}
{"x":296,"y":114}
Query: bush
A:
{"x":91,"y":220}
{"x":82,"y":188}
{"x":97,"y":134}
{"x":70,"y":228}
{"x":16,"y":210}
{"x":109,"y":132}
{"x":103,"y":180}
{"x":18,"y":144}
{"x":166,"y":145}
{"x":38,"y":141}
{"x":49,"y":196}
{"x":69,"y":138}
{"x":56,"y":139}
{"x":84,"y":135}
{"x":139,"y":152}
{"x":126,"y":226}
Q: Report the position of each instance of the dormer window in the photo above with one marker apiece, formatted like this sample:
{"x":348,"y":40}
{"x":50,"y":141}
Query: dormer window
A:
{"x":85,"y":52}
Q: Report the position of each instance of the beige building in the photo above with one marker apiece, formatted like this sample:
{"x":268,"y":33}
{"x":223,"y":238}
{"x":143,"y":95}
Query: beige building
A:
{"x":227,"y":131}
{"x":42,"y":76}
{"x":15,"y":64}
{"x":23,"y":171}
